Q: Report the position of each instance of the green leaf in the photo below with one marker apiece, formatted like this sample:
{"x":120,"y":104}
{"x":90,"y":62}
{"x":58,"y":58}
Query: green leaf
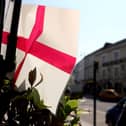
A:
{"x":32,"y":76}
{"x":72,"y":103}
{"x":67,"y":109}
{"x":41,"y":105}
{"x":6,"y":81}
{"x":35,"y":97}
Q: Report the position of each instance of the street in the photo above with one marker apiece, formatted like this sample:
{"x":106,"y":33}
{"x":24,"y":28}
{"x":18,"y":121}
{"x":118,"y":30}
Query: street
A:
{"x":87,"y":105}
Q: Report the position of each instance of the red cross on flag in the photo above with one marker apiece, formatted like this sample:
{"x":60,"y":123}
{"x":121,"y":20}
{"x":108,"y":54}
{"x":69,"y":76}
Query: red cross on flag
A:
{"x":47,"y":40}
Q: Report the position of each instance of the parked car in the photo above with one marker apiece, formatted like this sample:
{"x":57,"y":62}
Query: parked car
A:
{"x":109,"y":95}
{"x":113,"y":114}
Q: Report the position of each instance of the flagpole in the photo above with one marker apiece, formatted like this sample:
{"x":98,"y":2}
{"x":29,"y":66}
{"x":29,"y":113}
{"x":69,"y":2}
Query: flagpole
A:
{"x":2,"y":8}
{"x":12,"y":38}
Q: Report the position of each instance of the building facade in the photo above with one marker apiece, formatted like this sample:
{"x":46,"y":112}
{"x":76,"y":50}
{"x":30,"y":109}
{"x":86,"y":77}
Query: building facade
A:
{"x":78,"y":72}
{"x":111,"y":66}
{"x":111,"y":71}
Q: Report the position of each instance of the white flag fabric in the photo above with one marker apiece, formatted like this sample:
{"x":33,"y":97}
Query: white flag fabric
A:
{"x":47,"y":40}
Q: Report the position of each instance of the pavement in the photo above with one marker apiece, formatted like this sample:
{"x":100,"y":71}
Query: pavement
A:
{"x":85,"y":123}
{"x":86,"y":111}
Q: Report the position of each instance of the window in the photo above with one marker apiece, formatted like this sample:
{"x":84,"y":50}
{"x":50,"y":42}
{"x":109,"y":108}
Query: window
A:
{"x":116,"y":55}
{"x":122,"y":67}
{"x":116,"y":73}
{"x":104,"y":74}
{"x":104,"y":58}
{"x":109,"y":70}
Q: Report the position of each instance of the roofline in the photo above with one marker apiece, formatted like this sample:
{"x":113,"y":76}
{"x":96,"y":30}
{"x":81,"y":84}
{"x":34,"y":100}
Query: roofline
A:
{"x":102,"y":48}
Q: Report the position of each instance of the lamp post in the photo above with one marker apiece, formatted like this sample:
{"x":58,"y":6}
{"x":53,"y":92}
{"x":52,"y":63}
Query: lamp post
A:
{"x":95,"y":68}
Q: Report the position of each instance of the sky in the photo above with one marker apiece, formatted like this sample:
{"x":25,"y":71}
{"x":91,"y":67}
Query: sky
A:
{"x":100,"y":21}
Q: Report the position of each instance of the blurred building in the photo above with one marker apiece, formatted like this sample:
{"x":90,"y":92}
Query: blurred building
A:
{"x":75,"y":83}
{"x":78,"y":72}
{"x":111,"y":60}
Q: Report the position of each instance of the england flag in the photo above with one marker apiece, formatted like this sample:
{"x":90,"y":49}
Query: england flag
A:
{"x":48,"y":41}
